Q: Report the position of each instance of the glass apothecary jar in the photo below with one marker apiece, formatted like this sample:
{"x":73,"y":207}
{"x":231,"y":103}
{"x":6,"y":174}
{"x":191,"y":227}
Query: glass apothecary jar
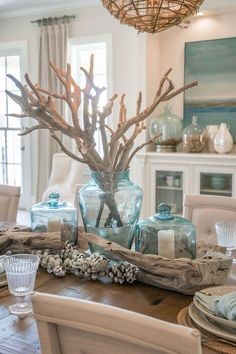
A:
{"x":166,"y":235}
{"x":110,"y":205}
{"x":194,"y":137}
{"x":55,"y":216}
{"x":170,"y":127}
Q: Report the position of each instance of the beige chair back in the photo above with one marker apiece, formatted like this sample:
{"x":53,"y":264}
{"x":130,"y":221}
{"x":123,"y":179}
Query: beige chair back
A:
{"x":73,"y":326}
{"x":204,"y":211}
{"x":66,"y":173}
{"x":9,"y":201}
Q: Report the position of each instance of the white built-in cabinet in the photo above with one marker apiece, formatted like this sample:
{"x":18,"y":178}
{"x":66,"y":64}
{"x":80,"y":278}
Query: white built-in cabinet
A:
{"x":166,"y":177}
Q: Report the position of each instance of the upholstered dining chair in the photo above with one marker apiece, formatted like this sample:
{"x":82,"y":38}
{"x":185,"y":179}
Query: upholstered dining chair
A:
{"x":9,"y":201}
{"x":66,"y":173}
{"x":204,"y":211}
{"x":73,"y":326}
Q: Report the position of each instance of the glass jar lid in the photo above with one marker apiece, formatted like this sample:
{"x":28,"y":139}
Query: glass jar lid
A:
{"x":164,"y":212}
{"x":53,"y":203}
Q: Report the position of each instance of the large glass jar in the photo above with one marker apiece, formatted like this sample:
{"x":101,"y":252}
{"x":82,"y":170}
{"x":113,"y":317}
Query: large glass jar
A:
{"x":55,"y":216}
{"x":170,"y":127}
{"x":166,"y":235}
{"x":194,"y":137}
{"x":110,"y":206}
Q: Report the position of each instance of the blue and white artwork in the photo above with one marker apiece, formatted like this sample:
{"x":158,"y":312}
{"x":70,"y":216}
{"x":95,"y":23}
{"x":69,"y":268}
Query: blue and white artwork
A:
{"x":213,"y":64}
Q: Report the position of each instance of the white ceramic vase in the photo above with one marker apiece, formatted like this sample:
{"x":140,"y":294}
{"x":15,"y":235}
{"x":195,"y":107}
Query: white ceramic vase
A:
{"x":223,"y":141}
{"x":212,"y":130}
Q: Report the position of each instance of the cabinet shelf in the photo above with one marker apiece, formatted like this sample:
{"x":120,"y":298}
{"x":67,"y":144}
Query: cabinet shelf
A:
{"x":169,"y":188}
{"x":214,"y":191}
{"x":197,"y":174}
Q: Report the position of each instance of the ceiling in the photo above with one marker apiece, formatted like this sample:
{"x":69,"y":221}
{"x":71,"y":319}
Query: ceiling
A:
{"x":217,"y":5}
{"x":10,"y":8}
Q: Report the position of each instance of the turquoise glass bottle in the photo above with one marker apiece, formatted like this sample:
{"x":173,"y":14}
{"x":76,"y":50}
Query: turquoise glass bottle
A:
{"x":110,"y":206}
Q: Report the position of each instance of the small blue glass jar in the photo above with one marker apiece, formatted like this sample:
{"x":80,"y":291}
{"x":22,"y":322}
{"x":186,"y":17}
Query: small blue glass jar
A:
{"x":55,"y":216}
{"x":166,"y":235}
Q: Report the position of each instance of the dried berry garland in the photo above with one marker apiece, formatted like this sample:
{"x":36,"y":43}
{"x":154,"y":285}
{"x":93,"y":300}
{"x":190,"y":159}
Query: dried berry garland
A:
{"x":71,"y":260}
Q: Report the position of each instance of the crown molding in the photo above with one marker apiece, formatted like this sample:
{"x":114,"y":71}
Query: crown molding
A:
{"x":40,"y":10}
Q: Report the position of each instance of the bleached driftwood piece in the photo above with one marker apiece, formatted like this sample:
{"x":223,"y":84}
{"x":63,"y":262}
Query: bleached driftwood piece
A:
{"x":118,"y":144}
{"x":18,"y":238}
{"x":182,"y":275}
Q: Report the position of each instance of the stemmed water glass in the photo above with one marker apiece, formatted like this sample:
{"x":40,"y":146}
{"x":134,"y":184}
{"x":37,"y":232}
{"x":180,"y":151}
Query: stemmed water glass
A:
{"x":226,"y":236}
{"x":21,"y":272}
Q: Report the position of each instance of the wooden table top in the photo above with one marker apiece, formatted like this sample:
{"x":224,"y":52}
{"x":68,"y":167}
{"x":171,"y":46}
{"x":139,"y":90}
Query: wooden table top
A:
{"x":20,"y":335}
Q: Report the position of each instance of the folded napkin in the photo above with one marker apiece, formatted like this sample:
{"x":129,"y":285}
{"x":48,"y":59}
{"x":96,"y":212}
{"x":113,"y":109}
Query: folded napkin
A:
{"x":221,"y":306}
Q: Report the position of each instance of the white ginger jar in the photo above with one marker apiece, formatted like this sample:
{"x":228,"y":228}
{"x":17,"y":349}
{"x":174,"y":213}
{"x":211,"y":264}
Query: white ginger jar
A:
{"x":212,"y":130}
{"x":223,"y":141}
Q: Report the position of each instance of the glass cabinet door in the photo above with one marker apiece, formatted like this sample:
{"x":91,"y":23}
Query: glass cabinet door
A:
{"x":169,"y":189}
{"x":216,"y":184}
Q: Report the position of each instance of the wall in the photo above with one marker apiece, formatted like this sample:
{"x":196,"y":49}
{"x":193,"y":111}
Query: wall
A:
{"x":92,"y":21}
{"x":139,"y":60}
{"x":172,"y":51}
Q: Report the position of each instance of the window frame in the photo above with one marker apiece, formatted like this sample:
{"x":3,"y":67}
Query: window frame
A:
{"x":86,"y":40}
{"x":21,"y":48}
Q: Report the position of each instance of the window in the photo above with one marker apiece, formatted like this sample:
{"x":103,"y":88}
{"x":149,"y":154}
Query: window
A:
{"x":14,"y":150}
{"x":80,"y":52}
{"x":10,"y":141}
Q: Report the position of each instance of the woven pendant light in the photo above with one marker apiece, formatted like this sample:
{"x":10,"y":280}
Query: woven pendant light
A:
{"x":152,"y":15}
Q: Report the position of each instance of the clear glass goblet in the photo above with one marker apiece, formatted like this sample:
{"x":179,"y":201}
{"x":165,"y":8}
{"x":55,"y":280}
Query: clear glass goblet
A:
{"x":226,"y":236}
{"x":21,"y":272}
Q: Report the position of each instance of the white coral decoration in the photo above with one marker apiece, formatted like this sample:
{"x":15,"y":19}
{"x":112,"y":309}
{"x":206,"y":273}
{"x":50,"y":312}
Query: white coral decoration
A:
{"x":71,"y":260}
{"x":120,"y":272}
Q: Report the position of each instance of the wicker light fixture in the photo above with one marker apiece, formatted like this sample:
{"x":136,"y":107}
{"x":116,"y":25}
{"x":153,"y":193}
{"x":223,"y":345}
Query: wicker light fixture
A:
{"x":152,"y":15}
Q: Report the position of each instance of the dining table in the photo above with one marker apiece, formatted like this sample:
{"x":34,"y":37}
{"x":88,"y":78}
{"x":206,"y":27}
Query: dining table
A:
{"x":19,"y":335}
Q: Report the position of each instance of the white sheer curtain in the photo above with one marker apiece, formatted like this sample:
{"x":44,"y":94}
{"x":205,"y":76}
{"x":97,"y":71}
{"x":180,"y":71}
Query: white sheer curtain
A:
{"x":53,"y":47}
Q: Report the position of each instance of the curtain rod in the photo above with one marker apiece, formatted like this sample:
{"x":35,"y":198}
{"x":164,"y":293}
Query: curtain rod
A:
{"x":45,"y":20}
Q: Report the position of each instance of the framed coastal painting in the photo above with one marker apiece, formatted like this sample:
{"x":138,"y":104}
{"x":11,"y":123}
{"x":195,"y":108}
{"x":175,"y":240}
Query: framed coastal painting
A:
{"x":213,"y":64}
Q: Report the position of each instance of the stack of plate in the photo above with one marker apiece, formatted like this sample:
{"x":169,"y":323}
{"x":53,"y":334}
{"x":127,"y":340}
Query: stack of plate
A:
{"x":213,"y":324}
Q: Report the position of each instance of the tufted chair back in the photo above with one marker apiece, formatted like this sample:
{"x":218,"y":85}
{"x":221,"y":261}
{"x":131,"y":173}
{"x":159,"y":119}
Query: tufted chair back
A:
{"x":204,"y":211}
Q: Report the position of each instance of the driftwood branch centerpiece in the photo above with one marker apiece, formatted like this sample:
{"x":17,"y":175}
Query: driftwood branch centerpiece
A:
{"x":118,"y":151}
{"x":110,"y":165}
{"x":182,"y":275}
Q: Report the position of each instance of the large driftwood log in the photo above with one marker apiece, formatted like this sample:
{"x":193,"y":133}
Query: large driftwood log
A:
{"x":183,"y":275}
{"x":18,"y":238}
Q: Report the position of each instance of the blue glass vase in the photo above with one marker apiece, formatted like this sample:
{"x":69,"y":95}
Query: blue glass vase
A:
{"x":110,"y":206}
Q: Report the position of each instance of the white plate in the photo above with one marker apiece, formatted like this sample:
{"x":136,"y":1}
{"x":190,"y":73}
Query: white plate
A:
{"x":217,"y":290}
{"x":208,"y":326}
